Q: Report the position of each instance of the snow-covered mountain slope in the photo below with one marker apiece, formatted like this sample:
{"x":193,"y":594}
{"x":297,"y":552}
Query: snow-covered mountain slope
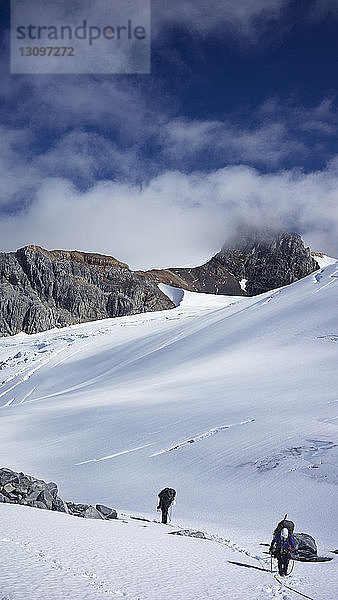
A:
{"x":55,"y":556}
{"x":232,"y":401}
{"x":323,"y":260}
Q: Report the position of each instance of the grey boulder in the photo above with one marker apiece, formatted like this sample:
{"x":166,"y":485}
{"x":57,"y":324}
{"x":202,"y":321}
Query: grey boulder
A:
{"x":108,"y":513}
{"x":85,"y":511}
{"x":190,"y":533}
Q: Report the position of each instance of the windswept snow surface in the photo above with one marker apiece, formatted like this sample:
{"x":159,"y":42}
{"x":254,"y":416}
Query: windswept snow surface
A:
{"x":231,"y":401}
{"x":53,"y":556}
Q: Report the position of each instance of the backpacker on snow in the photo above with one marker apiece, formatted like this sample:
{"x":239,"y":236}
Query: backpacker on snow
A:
{"x":305,"y":547}
{"x":282,"y":546}
{"x":166,"y":498}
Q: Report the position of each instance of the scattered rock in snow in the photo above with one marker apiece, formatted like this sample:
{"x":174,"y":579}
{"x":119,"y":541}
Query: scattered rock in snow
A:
{"x":18,"y":488}
{"x":190,"y":533}
{"x":313,"y":449}
{"x":85,"y":511}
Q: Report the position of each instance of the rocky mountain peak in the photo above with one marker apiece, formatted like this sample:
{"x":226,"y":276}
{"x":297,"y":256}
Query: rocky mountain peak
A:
{"x":266,"y":259}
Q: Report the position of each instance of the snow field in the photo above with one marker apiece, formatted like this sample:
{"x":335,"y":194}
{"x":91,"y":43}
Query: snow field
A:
{"x":232,"y":401}
{"x":53,"y":556}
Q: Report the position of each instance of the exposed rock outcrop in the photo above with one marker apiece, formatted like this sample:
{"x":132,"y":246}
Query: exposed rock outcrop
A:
{"x":253,"y":262}
{"x":18,"y":488}
{"x":211,"y":278}
{"x":267,"y":259}
{"x":40,"y":290}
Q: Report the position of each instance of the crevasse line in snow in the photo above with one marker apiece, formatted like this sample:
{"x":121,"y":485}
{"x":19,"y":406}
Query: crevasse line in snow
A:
{"x":201,"y":436}
{"x":84,"y":462}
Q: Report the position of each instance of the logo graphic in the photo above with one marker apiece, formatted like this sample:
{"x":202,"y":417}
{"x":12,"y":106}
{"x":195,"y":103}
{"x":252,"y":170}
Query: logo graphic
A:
{"x":82,"y":36}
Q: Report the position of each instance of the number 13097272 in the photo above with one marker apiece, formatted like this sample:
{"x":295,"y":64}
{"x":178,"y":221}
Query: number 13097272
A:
{"x":47,"y":51}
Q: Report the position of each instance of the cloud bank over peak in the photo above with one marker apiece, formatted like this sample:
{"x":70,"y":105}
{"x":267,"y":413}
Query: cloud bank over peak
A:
{"x":177,"y":219}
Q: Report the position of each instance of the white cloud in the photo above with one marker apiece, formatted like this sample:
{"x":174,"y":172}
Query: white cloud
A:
{"x":177,"y":219}
{"x":267,"y":143}
{"x":85,"y":157}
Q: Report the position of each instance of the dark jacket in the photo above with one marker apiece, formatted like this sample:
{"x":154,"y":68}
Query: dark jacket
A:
{"x":167,"y":497}
{"x":280,"y":545}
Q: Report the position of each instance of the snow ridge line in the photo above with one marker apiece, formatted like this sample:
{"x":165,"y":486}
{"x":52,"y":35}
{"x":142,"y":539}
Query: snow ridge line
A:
{"x":8,"y":403}
{"x":84,"y":462}
{"x":201,"y":436}
{"x":27,"y":395}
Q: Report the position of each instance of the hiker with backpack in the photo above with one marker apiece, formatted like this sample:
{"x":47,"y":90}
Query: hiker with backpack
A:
{"x":166,"y":499}
{"x":283,"y":546}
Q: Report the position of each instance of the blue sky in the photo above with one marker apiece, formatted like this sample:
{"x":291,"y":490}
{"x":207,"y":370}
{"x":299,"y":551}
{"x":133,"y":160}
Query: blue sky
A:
{"x":236,"y":122}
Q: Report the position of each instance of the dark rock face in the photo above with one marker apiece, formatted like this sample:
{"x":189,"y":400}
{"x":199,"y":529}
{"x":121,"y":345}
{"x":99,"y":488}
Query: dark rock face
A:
{"x":40,"y":290}
{"x":211,"y":278}
{"x":259,"y":260}
{"x":267,"y":260}
{"x":17,"y":488}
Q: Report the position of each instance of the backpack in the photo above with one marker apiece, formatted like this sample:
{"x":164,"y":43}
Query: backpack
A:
{"x":289,"y":525}
{"x":167,"y":495}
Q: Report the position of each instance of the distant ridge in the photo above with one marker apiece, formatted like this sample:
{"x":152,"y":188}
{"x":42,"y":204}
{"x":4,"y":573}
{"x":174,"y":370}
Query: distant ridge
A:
{"x":41,"y":289}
